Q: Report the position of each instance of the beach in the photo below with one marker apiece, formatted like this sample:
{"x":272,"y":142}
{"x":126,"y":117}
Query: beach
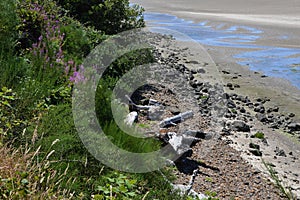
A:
{"x":275,"y":19}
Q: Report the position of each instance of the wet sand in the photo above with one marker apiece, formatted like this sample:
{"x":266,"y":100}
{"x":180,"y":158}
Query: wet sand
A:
{"x":274,"y":16}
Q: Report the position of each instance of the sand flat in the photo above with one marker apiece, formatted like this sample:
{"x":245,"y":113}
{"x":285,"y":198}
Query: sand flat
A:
{"x":275,"y":17}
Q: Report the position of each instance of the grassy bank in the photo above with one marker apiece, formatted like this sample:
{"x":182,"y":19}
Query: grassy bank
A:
{"x":42,"y":156}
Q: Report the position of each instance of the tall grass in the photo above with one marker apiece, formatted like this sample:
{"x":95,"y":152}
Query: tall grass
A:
{"x":26,"y":175}
{"x":46,"y":158}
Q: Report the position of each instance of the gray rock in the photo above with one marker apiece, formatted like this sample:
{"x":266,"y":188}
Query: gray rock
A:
{"x":155,"y":113}
{"x":260,"y":109}
{"x":174,"y":110}
{"x":201,"y":71}
{"x":254,"y":146}
{"x":231,"y":104}
{"x":230,"y":85}
{"x":265,"y":141}
{"x":256,"y":152}
{"x":291,"y":115}
{"x":294,"y":127}
{"x":276,"y":109}
{"x":261,"y":117}
{"x":242,"y":110}
{"x":180,"y":144}
{"x":240,"y":126}
{"x":279,"y":152}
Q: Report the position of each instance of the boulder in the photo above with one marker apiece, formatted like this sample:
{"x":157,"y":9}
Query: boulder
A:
{"x":240,"y":126}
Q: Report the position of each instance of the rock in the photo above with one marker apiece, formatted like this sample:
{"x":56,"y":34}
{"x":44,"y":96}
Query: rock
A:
{"x":201,"y":71}
{"x":240,"y":126}
{"x":242,"y":110}
{"x":254,"y":146}
{"x":180,"y":144}
{"x":294,"y":127}
{"x":155,"y":113}
{"x":265,"y":141}
{"x":250,"y":105}
{"x":279,"y":152}
{"x":231,"y":104}
{"x":131,"y":118}
{"x":194,"y":71}
{"x":225,"y":72}
{"x":259,"y":109}
{"x":276,"y":109}
{"x":261,"y":117}
{"x":255,"y":152}
{"x":198,"y":134}
{"x":270,"y":110}
{"x":291,"y":115}
{"x":230,"y":85}
{"x":174,"y":110}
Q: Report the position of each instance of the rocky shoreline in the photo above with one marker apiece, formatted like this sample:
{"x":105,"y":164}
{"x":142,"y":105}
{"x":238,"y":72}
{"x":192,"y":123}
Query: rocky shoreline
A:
{"x":243,"y":132}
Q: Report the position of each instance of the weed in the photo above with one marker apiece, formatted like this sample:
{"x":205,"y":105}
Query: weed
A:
{"x":286,"y":192}
{"x":258,"y":135}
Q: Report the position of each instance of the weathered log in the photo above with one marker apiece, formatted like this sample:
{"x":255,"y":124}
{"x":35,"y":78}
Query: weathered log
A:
{"x":137,"y":107}
{"x":176,"y":119}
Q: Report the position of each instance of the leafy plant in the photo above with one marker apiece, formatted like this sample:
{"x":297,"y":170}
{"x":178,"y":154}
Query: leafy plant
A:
{"x":211,"y":195}
{"x":10,"y":121}
{"x":258,"y":135}
{"x":118,"y":186}
{"x":111,"y":17}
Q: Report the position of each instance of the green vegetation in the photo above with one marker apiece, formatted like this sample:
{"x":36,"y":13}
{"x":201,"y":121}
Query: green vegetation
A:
{"x":211,"y":195}
{"x":42,"y":47}
{"x":258,"y":135}
{"x":285,"y":191}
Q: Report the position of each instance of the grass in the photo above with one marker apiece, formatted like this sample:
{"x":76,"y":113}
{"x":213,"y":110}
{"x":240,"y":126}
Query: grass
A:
{"x":42,"y":156}
{"x":285,"y":191}
{"x":26,"y":175}
{"x":259,"y":135}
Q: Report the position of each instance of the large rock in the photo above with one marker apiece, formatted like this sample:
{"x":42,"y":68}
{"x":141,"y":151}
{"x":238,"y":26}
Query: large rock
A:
{"x":240,"y":126}
{"x":261,"y":117}
{"x":294,"y":127}
{"x":179,"y":143}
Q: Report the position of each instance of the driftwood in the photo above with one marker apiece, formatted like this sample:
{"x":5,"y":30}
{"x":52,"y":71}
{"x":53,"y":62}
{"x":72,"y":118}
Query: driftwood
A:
{"x":176,"y":119}
{"x":137,"y":107}
{"x":153,"y":102}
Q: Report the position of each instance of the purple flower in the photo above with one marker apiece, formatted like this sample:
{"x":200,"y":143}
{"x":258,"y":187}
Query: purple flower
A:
{"x":77,"y":77}
{"x":70,"y":62}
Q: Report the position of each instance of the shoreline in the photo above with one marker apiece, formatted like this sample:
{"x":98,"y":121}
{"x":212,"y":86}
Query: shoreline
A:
{"x":277,"y":148}
{"x":254,"y":85}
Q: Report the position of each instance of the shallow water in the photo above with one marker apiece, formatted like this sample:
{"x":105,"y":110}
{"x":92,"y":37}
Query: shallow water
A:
{"x":271,"y":60}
